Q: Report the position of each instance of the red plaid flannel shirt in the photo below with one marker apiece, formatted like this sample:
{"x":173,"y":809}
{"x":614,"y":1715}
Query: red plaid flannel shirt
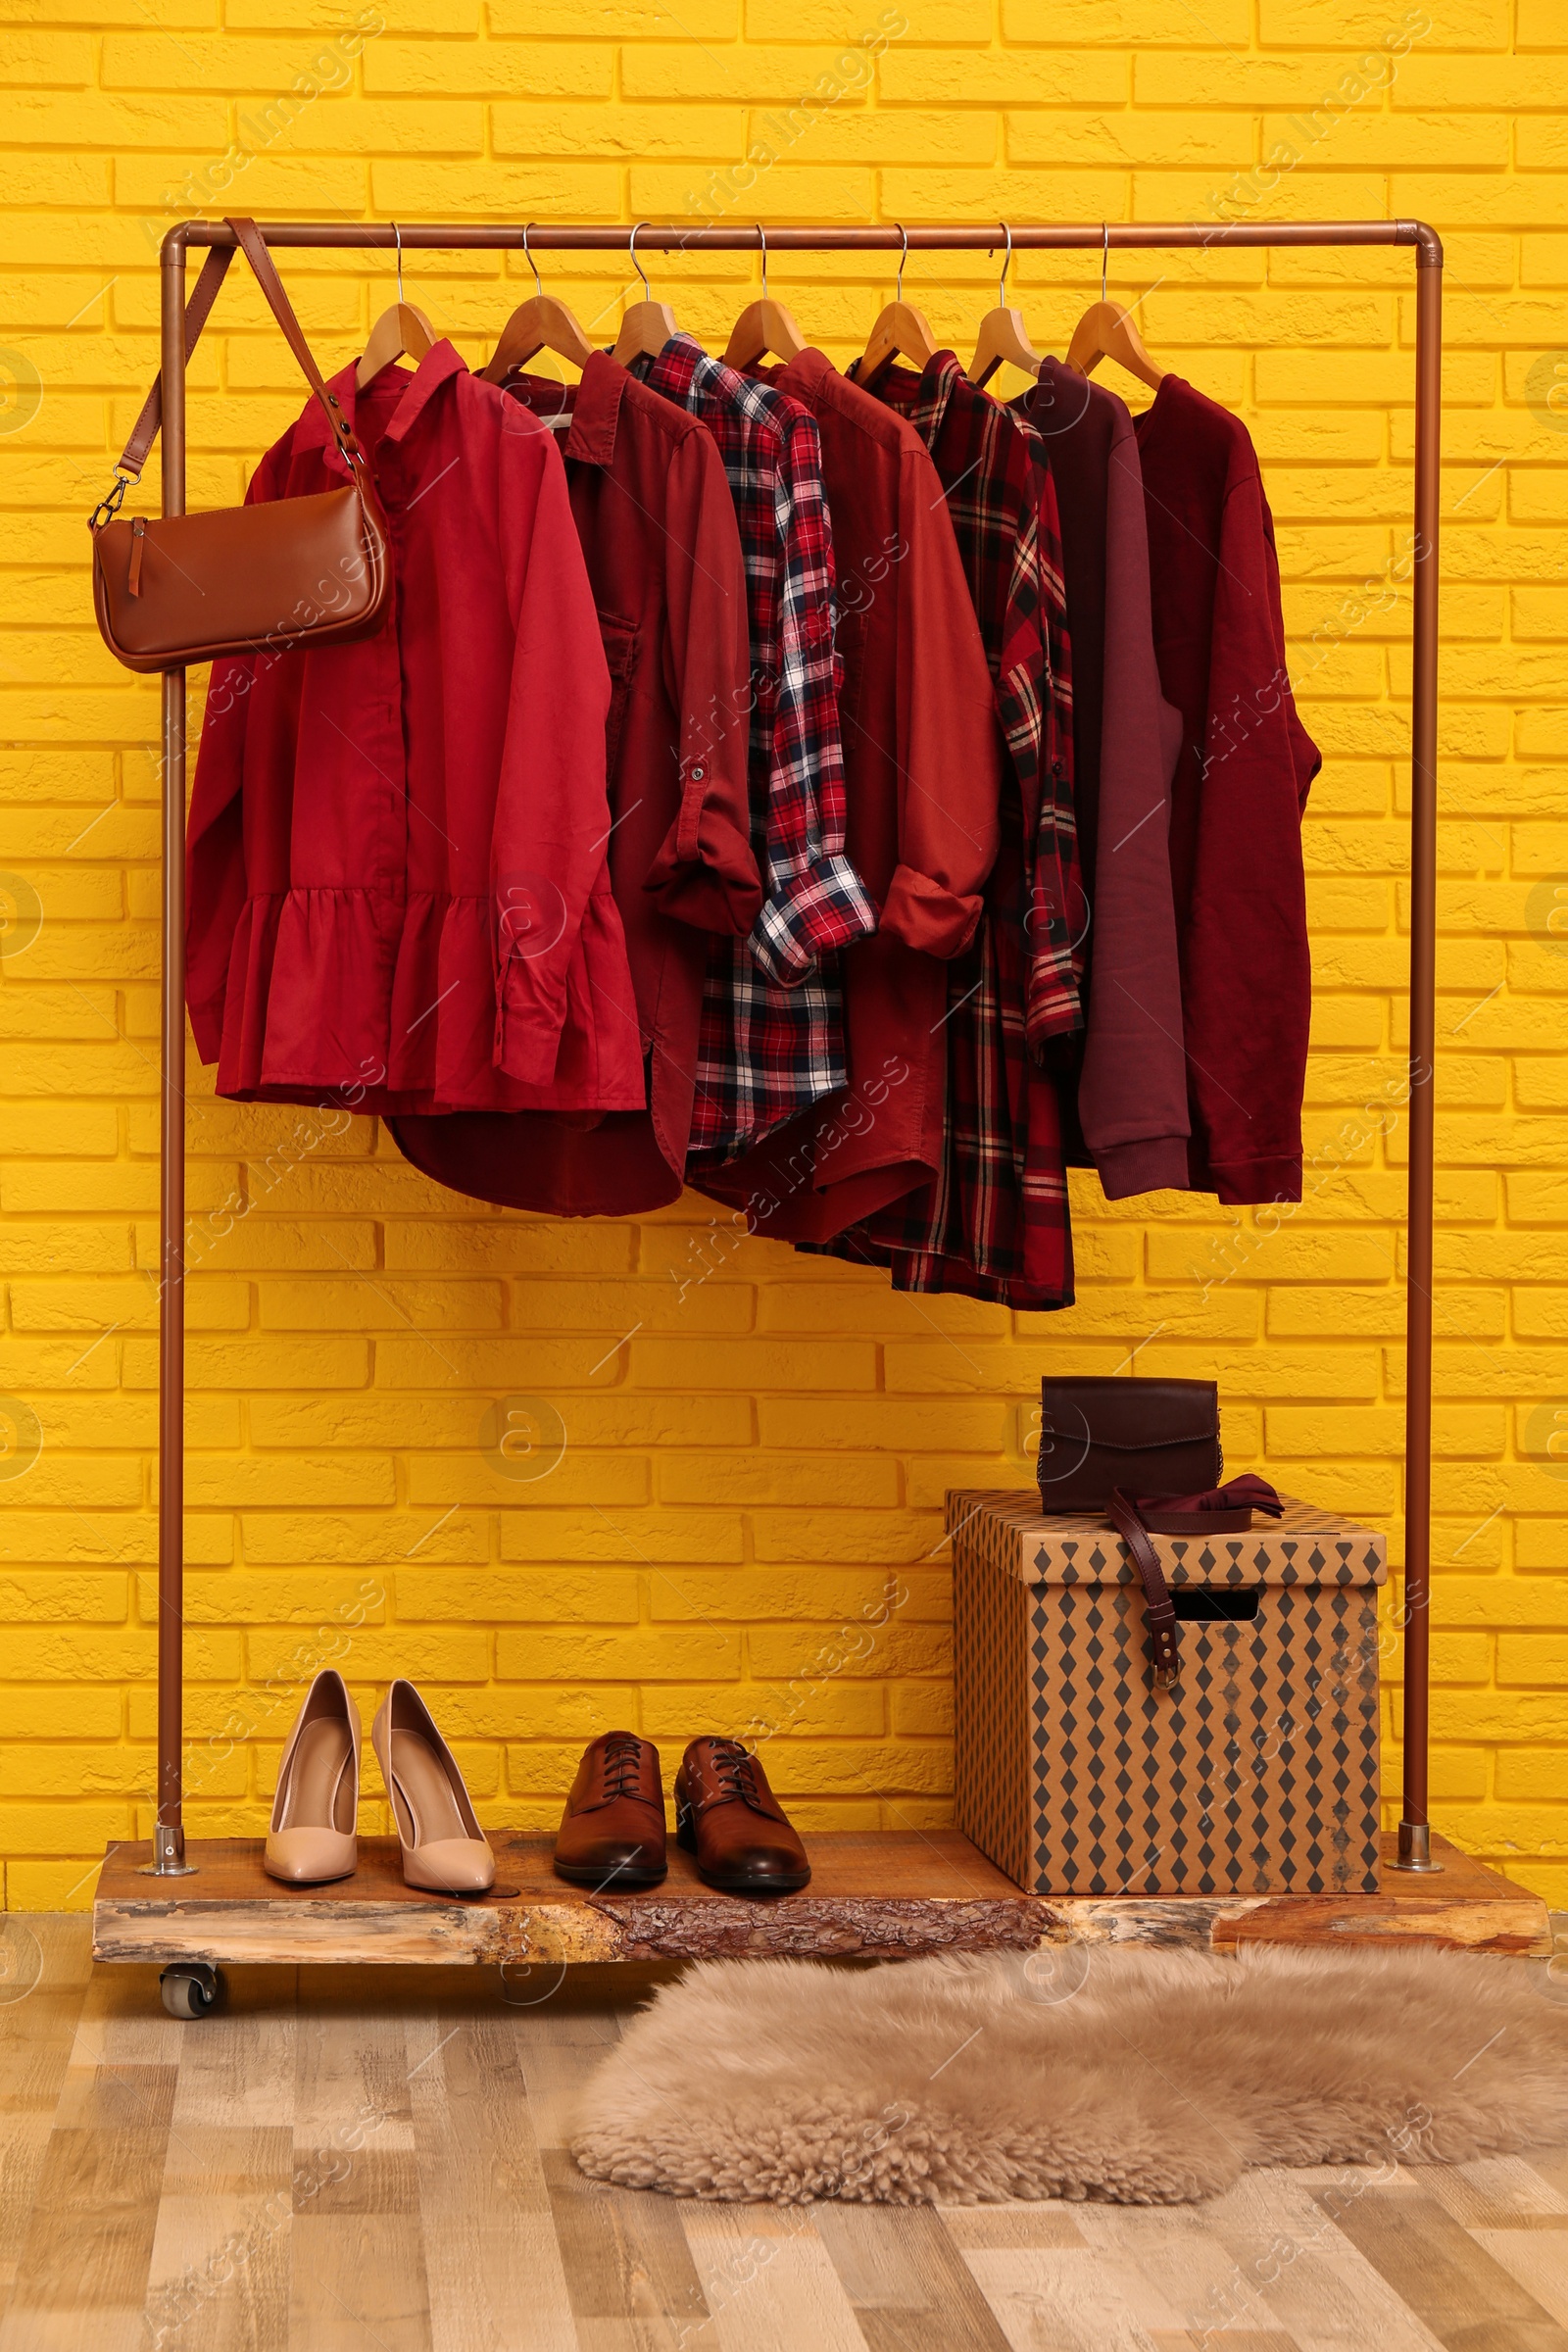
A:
{"x":771,"y":1040}
{"x":995,"y":1223}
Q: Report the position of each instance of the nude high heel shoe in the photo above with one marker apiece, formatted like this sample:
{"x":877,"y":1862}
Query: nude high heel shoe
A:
{"x":443,"y":1848}
{"x":311,"y":1836}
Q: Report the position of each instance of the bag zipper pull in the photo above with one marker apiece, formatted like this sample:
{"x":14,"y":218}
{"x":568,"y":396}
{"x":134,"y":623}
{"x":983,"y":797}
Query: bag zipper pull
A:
{"x":138,"y":536}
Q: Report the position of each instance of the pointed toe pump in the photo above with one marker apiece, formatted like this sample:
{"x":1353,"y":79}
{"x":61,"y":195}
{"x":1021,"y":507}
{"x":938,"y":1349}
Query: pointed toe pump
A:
{"x":312,"y":1833}
{"x":443,"y":1848}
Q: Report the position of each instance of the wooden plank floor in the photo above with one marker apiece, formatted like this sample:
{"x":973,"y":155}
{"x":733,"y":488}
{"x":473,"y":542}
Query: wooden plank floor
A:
{"x":343,"y":2159}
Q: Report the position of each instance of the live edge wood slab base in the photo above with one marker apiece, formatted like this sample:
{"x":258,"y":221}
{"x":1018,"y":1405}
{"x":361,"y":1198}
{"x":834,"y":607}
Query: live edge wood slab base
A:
{"x":888,"y":1895}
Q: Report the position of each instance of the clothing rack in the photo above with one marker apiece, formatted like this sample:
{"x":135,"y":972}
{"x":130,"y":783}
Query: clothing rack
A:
{"x":1415,"y":1835}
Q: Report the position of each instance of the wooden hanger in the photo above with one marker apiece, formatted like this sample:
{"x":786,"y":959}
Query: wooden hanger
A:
{"x":764,"y":327}
{"x":402,"y":332}
{"x":1105,"y":331}
{"x":901,"y":331}
{"x":541,"y":324}
{"x":648,"y":326}
{"x":1002,"y":334}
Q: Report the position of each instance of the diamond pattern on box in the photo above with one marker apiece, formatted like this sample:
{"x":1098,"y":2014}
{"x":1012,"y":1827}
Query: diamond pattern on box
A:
{"x":1258,"y":1774}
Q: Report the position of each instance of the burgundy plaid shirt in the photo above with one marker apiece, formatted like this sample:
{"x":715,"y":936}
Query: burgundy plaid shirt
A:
{"x":995,"y":1223}
{"x":1002,"y":502}
{"x":771,"y":1040}
{"x":1058,"y":903}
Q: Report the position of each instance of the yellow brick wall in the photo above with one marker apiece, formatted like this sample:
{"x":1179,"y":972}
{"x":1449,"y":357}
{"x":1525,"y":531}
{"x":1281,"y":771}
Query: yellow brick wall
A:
{"x":744,"y":1526}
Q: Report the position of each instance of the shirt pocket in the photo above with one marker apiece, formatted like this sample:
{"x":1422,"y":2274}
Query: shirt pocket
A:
{"x":619,"y":640}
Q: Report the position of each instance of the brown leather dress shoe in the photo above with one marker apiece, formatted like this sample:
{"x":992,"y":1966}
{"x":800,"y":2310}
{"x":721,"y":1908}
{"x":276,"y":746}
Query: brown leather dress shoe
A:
{"x":728,"y":1817}
{"x":612,"y":1831}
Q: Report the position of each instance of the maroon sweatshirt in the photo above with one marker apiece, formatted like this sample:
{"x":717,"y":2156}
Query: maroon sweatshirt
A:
{"x":1237,"y":799}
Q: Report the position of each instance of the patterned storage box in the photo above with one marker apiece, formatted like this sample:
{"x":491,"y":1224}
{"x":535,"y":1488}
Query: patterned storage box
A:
{"x":1258,"y":1774}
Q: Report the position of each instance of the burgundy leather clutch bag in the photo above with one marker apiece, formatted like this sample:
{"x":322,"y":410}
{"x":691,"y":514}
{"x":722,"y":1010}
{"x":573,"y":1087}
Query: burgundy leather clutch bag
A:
{"x":1148,"y":1436}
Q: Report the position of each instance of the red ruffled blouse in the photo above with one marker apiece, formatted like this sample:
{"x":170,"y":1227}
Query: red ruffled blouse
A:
{"x":399,"y":887}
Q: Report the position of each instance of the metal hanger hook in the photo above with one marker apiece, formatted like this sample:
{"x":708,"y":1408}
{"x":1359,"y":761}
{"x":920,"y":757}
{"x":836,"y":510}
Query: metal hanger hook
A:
{"x":1002,"y":286}
{"x":762,"y":233}
{"x":631,"y":248}
{"x":398,"y":233}
{"x":539,"y":283}
{"x":903,"y":258}
{"x":1105,"y":259}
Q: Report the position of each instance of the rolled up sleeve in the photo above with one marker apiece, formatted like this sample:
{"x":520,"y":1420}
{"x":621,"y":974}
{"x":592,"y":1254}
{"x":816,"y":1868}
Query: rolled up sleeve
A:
{"x":823,"y":907}
{"x":950,"y":742}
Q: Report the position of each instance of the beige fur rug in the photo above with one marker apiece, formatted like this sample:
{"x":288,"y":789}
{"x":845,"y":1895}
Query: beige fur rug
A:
{"x":1138,"y":2076}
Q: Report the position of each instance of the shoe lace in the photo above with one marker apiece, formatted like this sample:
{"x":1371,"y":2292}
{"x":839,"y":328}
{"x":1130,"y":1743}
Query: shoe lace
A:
{"x":622,"y":1759}
{"x":736,"y":1771}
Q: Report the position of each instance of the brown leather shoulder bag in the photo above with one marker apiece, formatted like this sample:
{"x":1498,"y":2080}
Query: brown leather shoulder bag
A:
{"x":241,"y":579}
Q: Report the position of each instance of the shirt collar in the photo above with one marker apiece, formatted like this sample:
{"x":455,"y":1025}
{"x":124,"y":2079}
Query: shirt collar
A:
{"x":672,"y":369}
{"x":593,"y":404}
{"x":939,"y":379}
{"x":439,"y":362}
{"x":923,"y":399}
{"x":804,"y":374}
{"x":596,"y":411}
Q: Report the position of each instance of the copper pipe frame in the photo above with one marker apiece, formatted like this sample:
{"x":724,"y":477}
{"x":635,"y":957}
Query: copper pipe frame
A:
{"x":1414,"y":1849}
{"x":169,"y":1833}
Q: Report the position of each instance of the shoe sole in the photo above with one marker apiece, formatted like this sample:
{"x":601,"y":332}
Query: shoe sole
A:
{"x":611,"y":1882}
{"x":332,"y":1877}
{"x":753,"y":1886}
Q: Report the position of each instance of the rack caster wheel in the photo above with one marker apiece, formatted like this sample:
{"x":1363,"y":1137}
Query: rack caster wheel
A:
{"x":190,"y":1988}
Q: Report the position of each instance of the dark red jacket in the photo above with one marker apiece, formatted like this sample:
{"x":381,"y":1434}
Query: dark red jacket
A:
{"x":398,"y":880}
{"x":657,"y":523}
{"x":1239,"y":787}
{"x":922,"y":754}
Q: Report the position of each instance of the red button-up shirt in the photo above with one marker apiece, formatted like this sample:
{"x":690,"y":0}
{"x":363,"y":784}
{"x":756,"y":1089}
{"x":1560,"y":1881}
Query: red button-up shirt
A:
{"x":653,"y":510}
{"x":397,"y":874}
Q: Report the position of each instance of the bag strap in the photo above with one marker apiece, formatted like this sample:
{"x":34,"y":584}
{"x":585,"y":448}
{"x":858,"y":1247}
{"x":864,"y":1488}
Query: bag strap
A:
{"x":214,"y":271}
{"x":248,"y":239}
{"x":1161,"y":1610}
{"x":254,"y":245}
